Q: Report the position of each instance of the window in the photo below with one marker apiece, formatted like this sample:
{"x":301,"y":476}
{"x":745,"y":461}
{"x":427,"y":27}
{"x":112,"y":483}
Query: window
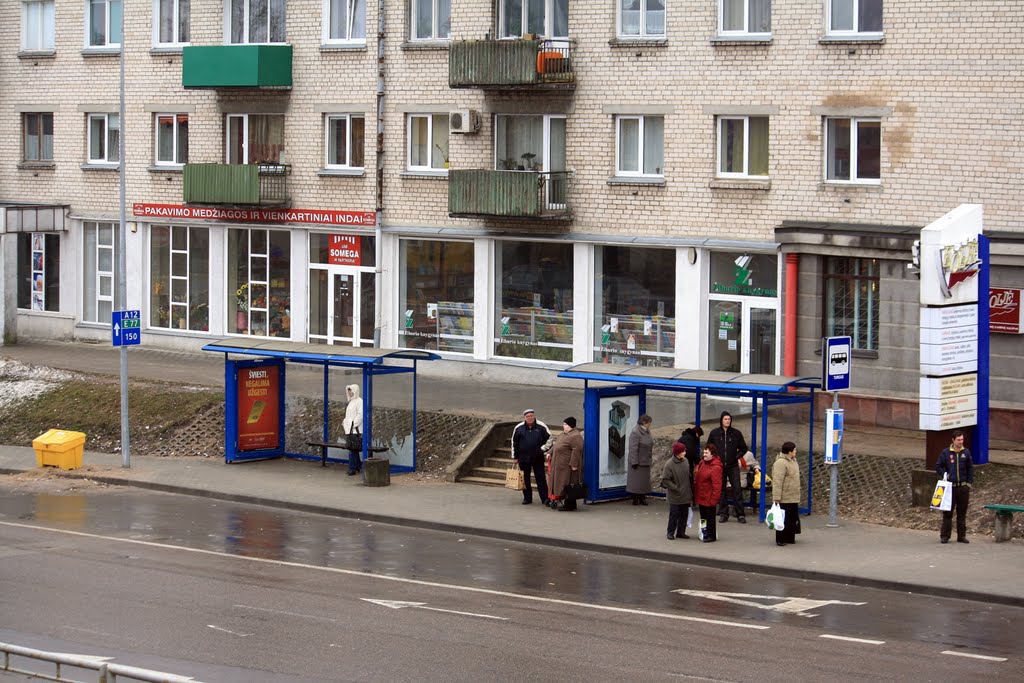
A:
{"x":428,"y":142}
{"x":642,"y":18}
{"x":256,"y":21}
{"x":100,"y":257}
{"x":37,"y":25}
{"x":345,"y":21}
{"x":851,"y":17}
{"x":745,"y":16}
{"x":534,"y":294}
{"x":546,"y":18}
{"x":104,"y":23}
{"x":743,"y":146}
{"x":171,"y":139}
{"x":431,"y":19}
{"x":345,"y":140}
{"x":534,"y":143}
{"x":255,"y":138}
{"x":104,"y":138}
{"x":179,"y":279}
{"x":851,"y":300}
{"x":38,"y":131}
{"x":436,"y":295}
{"x":853,"y":150}
{"x":639,"y":145}
{"x":258,"y":293}
{"x":171,"y":22}
{"x":39,"y":271}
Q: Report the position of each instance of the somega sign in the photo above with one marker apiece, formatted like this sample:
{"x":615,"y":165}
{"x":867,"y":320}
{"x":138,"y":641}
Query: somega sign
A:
{"x":345,"y":250}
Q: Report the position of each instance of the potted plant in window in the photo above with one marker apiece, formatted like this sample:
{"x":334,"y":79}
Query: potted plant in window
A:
{"x":528,"y":164}
{"x":242,"y":297}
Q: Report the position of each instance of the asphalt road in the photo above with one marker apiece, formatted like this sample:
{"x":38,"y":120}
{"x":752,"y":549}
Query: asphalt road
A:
{"x":228,"y":592}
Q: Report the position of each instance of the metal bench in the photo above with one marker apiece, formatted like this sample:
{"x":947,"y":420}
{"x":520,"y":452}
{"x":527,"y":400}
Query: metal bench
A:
{"x":324,"y":445}
{"x":1004,"y":520}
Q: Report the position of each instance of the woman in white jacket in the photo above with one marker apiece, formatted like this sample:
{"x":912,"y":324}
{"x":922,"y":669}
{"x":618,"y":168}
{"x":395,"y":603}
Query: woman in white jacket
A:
{"x":353,"y":424}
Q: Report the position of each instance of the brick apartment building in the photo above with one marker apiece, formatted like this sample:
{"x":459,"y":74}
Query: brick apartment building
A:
{"x":523,"y":184}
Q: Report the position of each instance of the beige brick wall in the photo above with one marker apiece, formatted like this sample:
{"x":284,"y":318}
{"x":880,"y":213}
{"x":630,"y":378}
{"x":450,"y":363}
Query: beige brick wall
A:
{"x":948,"y":71}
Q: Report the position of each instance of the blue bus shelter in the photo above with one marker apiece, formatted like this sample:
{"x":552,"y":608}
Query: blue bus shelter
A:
{"x":255,"y":372}
{"x":616,"y":395}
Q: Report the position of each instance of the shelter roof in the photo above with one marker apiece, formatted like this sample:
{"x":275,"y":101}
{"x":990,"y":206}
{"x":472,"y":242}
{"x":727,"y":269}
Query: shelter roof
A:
{"x":689,"y":380}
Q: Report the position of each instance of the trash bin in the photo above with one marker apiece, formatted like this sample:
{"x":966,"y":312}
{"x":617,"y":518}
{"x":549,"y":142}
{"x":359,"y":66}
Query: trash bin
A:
{"x":377,"y":472}
{"x":59,"y":448}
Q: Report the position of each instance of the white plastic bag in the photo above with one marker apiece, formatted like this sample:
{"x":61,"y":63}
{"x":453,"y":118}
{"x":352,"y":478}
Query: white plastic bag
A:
{"x":776,"y":518}
{"x":942,"y":498}
{"x":689,"y":518}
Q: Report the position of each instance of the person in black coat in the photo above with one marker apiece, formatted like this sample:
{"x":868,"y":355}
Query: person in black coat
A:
{"x":528,"y":439}
{"x":691,"y":439}
{"x":731,"y":447}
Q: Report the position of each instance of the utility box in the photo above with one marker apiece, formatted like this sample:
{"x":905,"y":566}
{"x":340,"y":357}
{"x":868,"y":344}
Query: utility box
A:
{"x":59,"y":448}
{"x":376,"y":472}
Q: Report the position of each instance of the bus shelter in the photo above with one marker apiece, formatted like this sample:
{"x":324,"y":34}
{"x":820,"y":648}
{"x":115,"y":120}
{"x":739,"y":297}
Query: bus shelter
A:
{"x":615,"y":396}
{"x":257,"y":400}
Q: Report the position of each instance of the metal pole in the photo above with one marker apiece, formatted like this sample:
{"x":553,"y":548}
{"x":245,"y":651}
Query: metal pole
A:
{"x":833,"y":477}
{"x":379,"y":213}
{"x":122,"y":262}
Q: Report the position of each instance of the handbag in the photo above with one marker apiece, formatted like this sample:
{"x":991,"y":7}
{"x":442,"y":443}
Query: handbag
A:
{"x":354,"y":441}
{"x":574,"y":491}
{"x":942,"y":498}
{"x":514,"y":478}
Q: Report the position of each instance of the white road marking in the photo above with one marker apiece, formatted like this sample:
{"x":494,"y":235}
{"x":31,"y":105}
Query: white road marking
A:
{"x":789,"y":605}
{"x":848,"y":639}
{"x":397,"y":579}
{"x":973,"y":656}
{"x":399,"y":604}
{"x":286,"y":613}
{"x":224,"y":630}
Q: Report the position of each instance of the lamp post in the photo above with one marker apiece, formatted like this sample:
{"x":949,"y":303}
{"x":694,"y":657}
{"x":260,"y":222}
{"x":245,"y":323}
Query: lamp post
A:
{"x":122,"y":261}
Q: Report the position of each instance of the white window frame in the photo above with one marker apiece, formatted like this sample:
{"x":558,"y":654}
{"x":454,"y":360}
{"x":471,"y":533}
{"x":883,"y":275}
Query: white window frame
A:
{"x":640,"y":152}
{"x":435,"y":28}
{"x":644,"y":34}
{"x":348,"y":142}
{"x":46,"y":25}
{"x":430,"y":143}
{"x":549,"y":20}
{"x":175,"y":139}
{"x":745,"y":173}
{"x":745,"y":31}
{"x":350,"y":18}
{"x":109,"y":150}
{"x":97,"y":274}
{"x":855,"y":122}
{"x":246,"y":38}
{"x":856,"y":32}
{"x":176,"y":19}
{"x":108,"y":27}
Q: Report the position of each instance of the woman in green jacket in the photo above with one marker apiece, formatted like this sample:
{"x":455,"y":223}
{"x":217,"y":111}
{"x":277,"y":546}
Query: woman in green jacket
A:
{"x":786,"y":492}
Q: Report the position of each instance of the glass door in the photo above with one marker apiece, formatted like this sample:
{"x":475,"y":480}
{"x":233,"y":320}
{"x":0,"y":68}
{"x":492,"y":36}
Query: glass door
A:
{"x":762,"y":346}
{"x":341,"y":306}
{"x":742,"y":336}
{"x":725,"y":328}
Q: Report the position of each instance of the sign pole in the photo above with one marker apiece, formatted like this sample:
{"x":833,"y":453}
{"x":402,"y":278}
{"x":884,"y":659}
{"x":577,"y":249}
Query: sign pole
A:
{"x":836,"y":357}
{"x":833,"y":472}
{"x":122,"y":262}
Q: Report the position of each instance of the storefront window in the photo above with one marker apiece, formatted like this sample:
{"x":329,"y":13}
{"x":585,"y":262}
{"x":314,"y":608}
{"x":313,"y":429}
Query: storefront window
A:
{"x":180,"y":278}
{"x":534,"y":295}
{"x":258,"y":290}
{"x":744,"y":274}
{"x":39,"y":271}
{"x":100,"y":261}
{"x":436,"y":304}
{"x":634,"y":297}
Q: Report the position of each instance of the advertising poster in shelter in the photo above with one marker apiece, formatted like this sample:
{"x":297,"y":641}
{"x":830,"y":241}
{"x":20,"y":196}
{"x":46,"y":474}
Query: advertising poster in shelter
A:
{"x":618,"y":417}
{"x":258,"y":407}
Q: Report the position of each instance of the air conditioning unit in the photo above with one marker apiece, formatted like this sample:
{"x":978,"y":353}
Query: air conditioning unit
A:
{"x":463,"y":121}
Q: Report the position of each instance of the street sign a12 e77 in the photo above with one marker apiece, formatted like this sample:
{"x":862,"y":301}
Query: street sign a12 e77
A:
{"x":126,"y":328}
{"x":835,"y":363}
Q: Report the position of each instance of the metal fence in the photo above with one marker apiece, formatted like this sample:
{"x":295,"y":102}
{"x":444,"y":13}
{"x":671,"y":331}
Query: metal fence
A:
{"x":106,"y":672}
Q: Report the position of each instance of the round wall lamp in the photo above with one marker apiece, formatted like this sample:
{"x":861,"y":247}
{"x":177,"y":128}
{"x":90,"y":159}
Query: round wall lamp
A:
{"x":691,"y":255}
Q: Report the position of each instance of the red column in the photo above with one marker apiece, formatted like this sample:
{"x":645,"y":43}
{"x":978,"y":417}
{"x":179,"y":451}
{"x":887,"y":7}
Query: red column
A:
{"x":790,"y":315}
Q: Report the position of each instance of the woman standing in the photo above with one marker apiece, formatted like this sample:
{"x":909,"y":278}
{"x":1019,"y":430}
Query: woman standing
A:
{"x":786,"y":492}
{"x":353,"y":425}
{"x":707,"y":490}
{"x":566,"y":464}
{"x":641,"y":446}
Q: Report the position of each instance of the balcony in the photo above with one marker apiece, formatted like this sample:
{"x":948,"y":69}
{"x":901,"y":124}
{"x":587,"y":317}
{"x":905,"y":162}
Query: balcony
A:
{"x":236,"y":184}
{"x":511,"y":65}
{"x":509,"y":194}
{"x":236,"y":66}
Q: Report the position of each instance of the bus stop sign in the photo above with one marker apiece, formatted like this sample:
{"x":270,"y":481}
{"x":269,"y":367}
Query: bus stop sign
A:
{"x":835,"y":363}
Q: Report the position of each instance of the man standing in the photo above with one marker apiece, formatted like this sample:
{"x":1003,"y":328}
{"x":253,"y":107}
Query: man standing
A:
{"x":957,"y":464}
{"x":731,"y":447}
{"x":691,"y":439}
{"x":528,"y":438}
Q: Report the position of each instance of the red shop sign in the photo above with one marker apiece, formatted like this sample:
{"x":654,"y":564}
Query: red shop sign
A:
{"x":1004,"y":310}
{"x":345,"y":250}
{"x":258,"y":408}
{"x":324,"y":217}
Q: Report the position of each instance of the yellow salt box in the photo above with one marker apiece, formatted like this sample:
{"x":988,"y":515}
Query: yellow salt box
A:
{"x":59,"y":448}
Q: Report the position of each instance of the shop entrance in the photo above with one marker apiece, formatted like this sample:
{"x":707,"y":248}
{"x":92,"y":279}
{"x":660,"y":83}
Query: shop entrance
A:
{"x":742,"y":335}
{"x":341,"y":305}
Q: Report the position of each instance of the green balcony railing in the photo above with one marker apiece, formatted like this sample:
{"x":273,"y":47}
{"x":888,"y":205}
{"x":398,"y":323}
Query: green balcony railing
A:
{"x":509,"y":194}
{"x":238,"y":184}
{"x":512,"y":64}
{"x":236,"y":66}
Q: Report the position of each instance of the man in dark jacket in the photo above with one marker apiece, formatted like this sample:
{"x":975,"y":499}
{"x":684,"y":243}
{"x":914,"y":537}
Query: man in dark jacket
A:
{"x":691,"y":439}
{"x":528,"y":439}
{"x":957,"y":464}
{"x":731,"y":447}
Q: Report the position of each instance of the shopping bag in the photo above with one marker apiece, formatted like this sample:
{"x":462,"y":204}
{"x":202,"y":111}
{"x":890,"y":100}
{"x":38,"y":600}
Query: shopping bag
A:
{"x":514,"y":478}
{"x":703,"y":529}
{"x":776,"y":518}
{"x":942,"y":498}
{"x":689,"y":518}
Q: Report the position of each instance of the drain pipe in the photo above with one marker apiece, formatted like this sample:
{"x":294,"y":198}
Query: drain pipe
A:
{"x":789,"y":328}
{"x":379,"y":209}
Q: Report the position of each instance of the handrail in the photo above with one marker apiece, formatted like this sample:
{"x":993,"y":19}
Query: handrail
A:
{"x":106,"y":672}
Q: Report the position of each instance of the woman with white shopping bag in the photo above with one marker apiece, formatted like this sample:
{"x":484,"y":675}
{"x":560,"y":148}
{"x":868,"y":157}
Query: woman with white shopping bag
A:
{"x":786,"y":492}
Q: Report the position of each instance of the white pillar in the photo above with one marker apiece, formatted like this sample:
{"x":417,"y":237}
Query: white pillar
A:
{"x":691,"y":308}
{"x":583,"y":303}
{"x":484,"y":299}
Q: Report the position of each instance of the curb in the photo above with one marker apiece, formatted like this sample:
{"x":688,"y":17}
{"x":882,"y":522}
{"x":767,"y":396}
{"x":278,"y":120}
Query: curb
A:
{"x":712,"y":563}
